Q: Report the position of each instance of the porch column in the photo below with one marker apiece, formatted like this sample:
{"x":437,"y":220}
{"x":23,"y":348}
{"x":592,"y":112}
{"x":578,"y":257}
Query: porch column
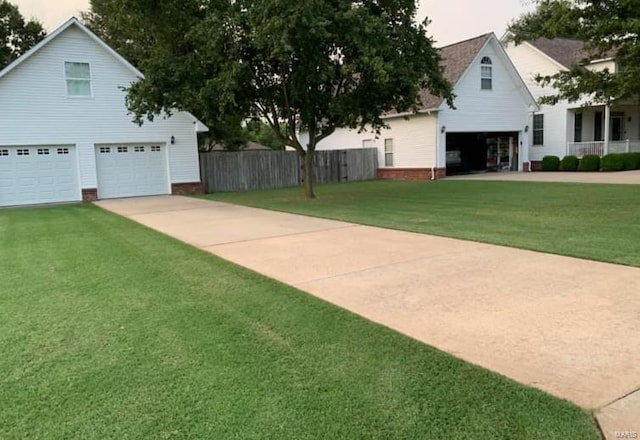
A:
{"x":607,"y":128}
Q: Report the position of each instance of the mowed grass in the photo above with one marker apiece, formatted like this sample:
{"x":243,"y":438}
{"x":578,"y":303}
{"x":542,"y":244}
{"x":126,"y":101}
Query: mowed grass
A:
{"x":598,"y":222}
{"x":109,"y":330}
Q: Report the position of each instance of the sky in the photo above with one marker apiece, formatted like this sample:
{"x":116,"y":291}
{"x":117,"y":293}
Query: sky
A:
{"x":451,"y":20}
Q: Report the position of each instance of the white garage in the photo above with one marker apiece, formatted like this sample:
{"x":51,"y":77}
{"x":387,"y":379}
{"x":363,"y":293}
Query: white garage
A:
{"x":67,"y":135}
{"x":128,"y":170}
{"x":38,"y":174}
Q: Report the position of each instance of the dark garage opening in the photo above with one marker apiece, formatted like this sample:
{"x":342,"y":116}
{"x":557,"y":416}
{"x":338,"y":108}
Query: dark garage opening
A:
{"x":482,"y":152}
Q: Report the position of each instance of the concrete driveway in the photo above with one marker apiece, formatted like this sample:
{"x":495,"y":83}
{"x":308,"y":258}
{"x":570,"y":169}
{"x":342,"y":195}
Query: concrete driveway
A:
{"x":618,"y":178}
{"x":565,"y":325}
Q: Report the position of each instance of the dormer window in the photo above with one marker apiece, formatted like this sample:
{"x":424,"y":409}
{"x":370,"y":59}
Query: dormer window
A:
{"x":486,"y":74}
{"x":78,"y":77}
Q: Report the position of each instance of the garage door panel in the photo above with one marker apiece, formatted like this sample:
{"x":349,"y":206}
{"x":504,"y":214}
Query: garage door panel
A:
{"x":64,"y":180}
{"x":61,"y":166}
{"x":27,"y":181}
{"x":131,"y":170}
{"x":24,"y":166}
{"x":46,"y":195}
{"x":31,"y":176}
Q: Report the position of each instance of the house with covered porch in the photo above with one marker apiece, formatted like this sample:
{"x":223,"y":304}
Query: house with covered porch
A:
{"x":486,"y":131}
{"x":572,"y":128}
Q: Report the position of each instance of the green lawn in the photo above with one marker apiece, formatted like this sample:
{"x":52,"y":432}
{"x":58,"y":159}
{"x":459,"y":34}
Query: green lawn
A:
{"x":598,"y":222}
{"x":109,"y":330}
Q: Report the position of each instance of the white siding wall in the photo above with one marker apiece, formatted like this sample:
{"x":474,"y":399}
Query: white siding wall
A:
{"x":34,"y":109}
{"x":558,"y":125}
{"x":414,"y":141}
{"x":631,"y":127}
{"x":504,"y":108}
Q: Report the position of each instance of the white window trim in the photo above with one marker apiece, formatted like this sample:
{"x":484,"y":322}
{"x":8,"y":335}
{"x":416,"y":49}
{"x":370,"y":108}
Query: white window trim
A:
{"x":66,"y":84}
{"x":490,"y":77}
{"x":390,"y":153}
{"x":533,"y":131}
{"x":368,"y":143}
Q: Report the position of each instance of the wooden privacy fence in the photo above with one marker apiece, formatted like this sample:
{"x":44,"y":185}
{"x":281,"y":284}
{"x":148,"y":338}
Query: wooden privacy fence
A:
{"x":247,"y":170}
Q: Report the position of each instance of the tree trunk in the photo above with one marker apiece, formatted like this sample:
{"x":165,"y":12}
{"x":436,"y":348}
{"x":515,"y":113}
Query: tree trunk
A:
{"x":308,"y":174}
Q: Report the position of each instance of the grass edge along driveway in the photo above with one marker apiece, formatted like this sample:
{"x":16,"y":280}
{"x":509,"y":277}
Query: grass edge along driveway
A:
{"x":591,"y":221}
{"x":111,"y":330}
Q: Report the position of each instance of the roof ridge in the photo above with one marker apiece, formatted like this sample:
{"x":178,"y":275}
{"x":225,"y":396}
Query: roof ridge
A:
{"x":558,"y":38}
{"x":485,"y":35}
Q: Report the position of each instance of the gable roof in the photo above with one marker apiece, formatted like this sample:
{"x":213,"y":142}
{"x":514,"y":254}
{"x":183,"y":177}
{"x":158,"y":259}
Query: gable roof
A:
{"x":456,"y":59}
{"x":565,"y":51}
{"x":73,"y":21}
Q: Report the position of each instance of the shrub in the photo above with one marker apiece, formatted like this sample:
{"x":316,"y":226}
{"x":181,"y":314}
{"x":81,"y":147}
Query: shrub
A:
{"x":569,"y":163}
{"x":613,"y":162}
{"x":550,"y":163}
{"x":631,"y":161}
{"x":590,"y":162}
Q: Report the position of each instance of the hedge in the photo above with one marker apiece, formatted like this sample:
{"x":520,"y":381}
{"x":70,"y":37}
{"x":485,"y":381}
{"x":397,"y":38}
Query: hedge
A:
{"x":550,"y":163}
{"x":631,"y":161}
{"x":590,"y":162}
{"x":613,"y":162}
{"x":569,"y":163}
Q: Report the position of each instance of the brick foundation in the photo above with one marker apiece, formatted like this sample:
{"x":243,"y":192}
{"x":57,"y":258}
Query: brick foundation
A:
{"x":186,"y":189}
{"x":536,"y":165}
{"x":410,"y":173}
{"x":89,"y":194}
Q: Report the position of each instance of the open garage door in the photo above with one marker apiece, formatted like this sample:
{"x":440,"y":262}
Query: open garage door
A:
{"x":130,"y":170}
{"x":38,"y":174}
{"x":480,"y":152}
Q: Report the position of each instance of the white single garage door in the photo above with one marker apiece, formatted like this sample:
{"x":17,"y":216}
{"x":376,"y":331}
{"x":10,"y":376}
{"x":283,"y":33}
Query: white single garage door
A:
{"x":38,"y":174}
{"x":130,"y":170}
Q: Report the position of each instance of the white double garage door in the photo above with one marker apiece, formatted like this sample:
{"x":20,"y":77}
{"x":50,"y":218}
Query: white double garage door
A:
{"x":50,"y":174}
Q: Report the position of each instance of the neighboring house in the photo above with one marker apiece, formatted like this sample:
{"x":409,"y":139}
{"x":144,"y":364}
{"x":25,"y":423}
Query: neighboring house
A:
{"x":66,"y":135}
{"x":572,"y":128}
{"x":486,"y":131}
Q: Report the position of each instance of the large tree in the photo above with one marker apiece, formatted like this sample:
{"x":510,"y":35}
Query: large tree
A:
{"x":307,"y":65}
{"x":608,"y":27}
{"x":125,"y":27}
{"x":17,"y":35}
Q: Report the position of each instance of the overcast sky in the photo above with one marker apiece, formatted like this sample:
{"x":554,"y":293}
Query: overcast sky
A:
{"x":452,"y":20}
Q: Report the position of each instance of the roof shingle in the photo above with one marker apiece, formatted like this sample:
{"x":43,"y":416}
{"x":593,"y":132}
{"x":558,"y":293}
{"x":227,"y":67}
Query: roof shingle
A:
{"x":565,"y":51}
{"x":456,"y":58}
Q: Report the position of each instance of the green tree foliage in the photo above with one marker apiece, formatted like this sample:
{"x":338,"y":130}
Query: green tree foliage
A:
{"x":17,"y":35}
{"x":312,"y":65}
{"x":610,"y":27}
{"x":145,"y":39}
{"x":262,"y":133}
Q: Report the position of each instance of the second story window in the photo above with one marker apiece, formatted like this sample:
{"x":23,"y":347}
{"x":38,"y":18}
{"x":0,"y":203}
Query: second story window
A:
{"x":78,"y":77}
{"x":486,"y":74}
